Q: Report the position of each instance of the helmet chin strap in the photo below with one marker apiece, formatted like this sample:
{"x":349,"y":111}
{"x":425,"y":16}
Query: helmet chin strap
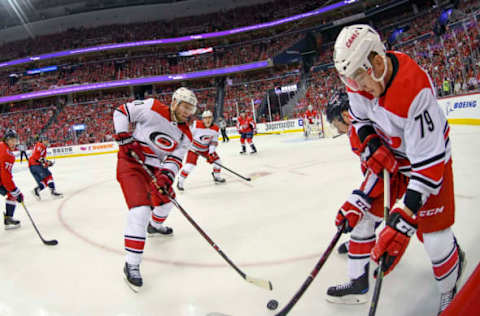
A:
{"x":172,"y":112}
{"x":382,"y":77}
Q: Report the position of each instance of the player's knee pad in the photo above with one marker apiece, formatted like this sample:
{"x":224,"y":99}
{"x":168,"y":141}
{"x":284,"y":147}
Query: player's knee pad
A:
{"x":164,"y":209}
{"x":188,"y":168}
{"x":439,"y":244}
{"x":138,"y":217}
{"x":365,"y":227}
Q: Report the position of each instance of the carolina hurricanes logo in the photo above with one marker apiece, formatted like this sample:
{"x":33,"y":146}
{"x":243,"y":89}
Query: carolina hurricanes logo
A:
{"x":205,"y":138}
{"x":352,"y":38}
{"x":394,"y":142}
{"x":163,"y":141}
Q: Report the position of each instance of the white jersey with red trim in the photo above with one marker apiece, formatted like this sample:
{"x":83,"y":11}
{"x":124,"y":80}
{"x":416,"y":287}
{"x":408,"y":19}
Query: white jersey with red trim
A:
{"x":164,"y":142}
{"x":205,"y":139}
{"x":409,"y":119}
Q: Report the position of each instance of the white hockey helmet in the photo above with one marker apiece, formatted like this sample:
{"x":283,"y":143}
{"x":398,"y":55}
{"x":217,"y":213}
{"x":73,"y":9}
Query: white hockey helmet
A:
{"x":351,"y":51}
{"x":207,"y":113}
{"x":185,"y":95}
{"x":310,"y":107}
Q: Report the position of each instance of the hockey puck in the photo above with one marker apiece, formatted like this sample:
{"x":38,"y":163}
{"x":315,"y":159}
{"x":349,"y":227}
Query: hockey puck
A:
{"x":272,"y":305}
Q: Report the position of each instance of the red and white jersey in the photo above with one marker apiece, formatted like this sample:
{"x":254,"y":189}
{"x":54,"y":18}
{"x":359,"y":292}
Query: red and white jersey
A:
{"x":245,"y":125}
{"x":409,"y":119}
{"x":205,"y":139}
{"x":164,"y":142}
{"x":39,"y":151}
{"x":371,"y":185}
{"x":310,"y":116}
{"x":7,"y":159}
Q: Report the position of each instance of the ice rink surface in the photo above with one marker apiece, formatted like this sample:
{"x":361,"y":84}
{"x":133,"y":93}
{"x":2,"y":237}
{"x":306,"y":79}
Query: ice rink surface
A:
{"x":275,"y":227}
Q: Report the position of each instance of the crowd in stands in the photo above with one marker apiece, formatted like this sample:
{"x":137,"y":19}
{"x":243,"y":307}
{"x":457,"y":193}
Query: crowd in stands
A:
{"x":223,"y":20}
{"x":453,"y":61}
{"x":152,"y":65}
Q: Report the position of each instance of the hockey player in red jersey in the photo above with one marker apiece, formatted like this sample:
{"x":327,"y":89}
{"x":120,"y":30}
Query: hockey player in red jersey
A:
{"x":38,"y":165}
{"x":397,"y":118}
{"x":205,"y":142}
{"x":310,"y":119}
{"x":246,"y":128}
{"x":363,"y":212}
{"x":7,"y":186}
{"x":311,"y":115}
{"x":161,"y":139}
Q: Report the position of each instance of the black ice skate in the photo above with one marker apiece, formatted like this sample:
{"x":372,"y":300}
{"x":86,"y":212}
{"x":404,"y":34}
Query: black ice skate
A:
{"x":180,"y":186}
{"x":133,"y":276}
{"x":56,"y":195}
{"x":244,"y":150}
{"x":36,"y":194}
{"x":218,"y":179}
{"x":162,"y":231}
{"x":447,"y":298}
{"x":352,"y":292}
{"x":254,"y":149}
{"x":343,"y":248}
{"x":10,"y":222}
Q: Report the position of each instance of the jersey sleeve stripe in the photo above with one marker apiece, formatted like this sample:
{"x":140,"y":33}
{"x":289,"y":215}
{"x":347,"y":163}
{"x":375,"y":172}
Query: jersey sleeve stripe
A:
{"x":428,"y":161}
{"x":356,"y":118}
{"x":175,"y":160}
{"x":426,"y":183}
{"x":433,"y":173}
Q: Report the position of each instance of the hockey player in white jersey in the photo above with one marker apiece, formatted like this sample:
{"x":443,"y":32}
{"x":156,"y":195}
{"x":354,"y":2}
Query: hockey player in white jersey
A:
{"x":397,"y":118}
{"x":161,"y":139}
{"x":205,"y":142}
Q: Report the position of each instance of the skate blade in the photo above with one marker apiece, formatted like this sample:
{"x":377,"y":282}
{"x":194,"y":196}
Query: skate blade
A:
{"x":57,"y":197}
{"x":132,"y":287}
{"x":160,"y":235}
{"x":9,"y":227}
{"x":348,"y":299}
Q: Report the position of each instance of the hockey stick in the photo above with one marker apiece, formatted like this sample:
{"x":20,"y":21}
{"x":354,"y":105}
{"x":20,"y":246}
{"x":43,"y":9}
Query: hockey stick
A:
{"x":222,"y":166}
{"x":386,"y":211}
{"x":52,"y":242}
{"x":266,"y":284}
{"x":285,"y":310}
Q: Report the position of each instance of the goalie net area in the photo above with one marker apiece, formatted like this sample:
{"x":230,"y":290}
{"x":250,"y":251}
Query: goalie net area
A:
{"x":320,"y":128}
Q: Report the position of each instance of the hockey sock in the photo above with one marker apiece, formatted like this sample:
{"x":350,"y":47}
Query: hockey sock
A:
{"x":10,"y":207}
{"x":359,"y":255}
{"x":160,"y":214}
{"x":443,"y":252}
{"x":135,"y":233}
{"x":41,"y":186}
{"x":51,"y":185}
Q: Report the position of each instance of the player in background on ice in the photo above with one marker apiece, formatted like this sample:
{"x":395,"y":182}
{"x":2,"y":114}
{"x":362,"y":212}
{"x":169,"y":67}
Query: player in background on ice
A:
{"x":22,"y":148}
{"x":246,"y":128}
{"x":205,"y":142}
{"x":310,"y":118}
{"x":161,"y":139}
{"x":363,"y":212}
{"x":7,"y":186}
{"x":399,"y":122}
{"x":38,"y":165}
{"x":223,"y":129}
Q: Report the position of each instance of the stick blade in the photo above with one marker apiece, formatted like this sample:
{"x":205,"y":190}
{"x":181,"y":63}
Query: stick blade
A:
{"x":53,"y":242}
{"x":266,"y":284}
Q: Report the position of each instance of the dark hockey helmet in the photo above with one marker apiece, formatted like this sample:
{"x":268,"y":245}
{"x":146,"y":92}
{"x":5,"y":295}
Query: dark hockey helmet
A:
{"x":337,"y":104}
{"x":10,"y":133}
